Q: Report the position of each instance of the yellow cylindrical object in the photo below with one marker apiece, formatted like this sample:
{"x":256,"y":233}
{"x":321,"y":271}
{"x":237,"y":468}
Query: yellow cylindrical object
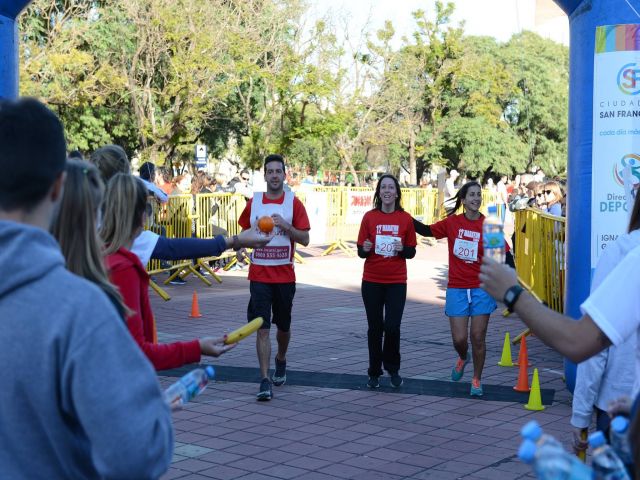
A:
{"x":244,"y":331}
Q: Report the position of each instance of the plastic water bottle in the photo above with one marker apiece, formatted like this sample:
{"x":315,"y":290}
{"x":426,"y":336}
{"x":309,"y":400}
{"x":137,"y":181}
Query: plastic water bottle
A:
{"x":606,"y":464}
{"x":188,"y":387}
{"x":550,"y":461}
{"x":619,"y":435}
{"x":493,"y":236}
{"x":533,"y":431}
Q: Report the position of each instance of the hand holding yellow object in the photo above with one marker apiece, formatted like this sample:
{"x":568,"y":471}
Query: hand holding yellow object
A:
{"x":243,"y":331}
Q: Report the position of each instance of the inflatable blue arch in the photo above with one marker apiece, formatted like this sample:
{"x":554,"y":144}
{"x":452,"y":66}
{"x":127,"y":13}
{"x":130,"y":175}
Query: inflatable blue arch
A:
{"x":584,"y":17}
{"x":9,"y":11}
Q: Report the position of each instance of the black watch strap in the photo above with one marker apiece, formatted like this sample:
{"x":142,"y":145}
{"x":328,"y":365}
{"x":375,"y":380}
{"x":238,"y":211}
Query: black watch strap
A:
{"x":511,"y":297}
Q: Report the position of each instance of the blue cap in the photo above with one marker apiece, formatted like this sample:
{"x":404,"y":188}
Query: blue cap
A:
{"x":620,"y":423}
{"x":596,"y":439}
{"x":531,"y":431}
{"x":527,"y":451}
{"x":211,"y":373}
{"x":492,"y":210}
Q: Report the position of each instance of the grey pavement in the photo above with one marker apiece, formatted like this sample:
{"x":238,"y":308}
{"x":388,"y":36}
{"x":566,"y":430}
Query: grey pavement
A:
{"x":308,"y":431}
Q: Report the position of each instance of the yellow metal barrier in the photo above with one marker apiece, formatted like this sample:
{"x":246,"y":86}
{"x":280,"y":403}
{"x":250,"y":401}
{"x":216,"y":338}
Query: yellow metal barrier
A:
{"x":540,"y":255}
{"x":179,"y":220}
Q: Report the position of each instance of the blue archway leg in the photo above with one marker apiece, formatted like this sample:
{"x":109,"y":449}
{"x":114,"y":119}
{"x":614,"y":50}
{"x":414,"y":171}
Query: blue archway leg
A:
{"x":584,"y":17}
{"x":9,"y":10}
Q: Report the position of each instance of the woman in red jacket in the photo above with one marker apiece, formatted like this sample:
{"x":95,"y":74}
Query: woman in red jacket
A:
{"x":124,"y":216}
{"x":386,"y":239}
{"x":465,"y":299}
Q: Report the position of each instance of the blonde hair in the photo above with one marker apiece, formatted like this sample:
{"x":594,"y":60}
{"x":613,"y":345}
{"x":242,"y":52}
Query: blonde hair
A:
{"x":110,"y":159}
{"x":557,"y":192}
{"x":124,"y":205}
{"x":75,"y":227}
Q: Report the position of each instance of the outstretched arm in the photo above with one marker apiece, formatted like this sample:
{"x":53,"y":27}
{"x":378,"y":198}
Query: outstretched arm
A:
{"x":576,"y":340}
{"x":422,"y":229}
{"x":179,"y":248}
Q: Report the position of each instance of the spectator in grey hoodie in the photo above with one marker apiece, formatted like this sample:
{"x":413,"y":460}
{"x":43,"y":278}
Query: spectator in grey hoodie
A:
{"x":78,"y":398}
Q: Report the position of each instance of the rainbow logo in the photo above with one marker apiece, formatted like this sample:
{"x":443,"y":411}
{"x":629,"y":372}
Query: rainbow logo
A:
{"x":629,"y":79}
{"x":633,"y":161}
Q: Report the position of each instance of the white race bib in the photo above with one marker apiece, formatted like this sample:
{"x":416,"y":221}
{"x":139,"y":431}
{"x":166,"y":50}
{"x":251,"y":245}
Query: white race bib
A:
{"x":385,"y":245}
{"x":466,"y":250}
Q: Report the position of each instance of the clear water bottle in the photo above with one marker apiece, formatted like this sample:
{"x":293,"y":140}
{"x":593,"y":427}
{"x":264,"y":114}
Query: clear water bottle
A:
{"x":619,"y":435}
{"x":533,"y":431}
{"x":606,"y":464}
{"x":493,"y":236}
{"x":188,"y":387}
{"x":550,"y":461}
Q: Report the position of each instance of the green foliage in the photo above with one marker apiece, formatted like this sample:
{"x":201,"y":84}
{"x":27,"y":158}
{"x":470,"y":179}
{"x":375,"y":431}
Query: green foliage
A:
{"x":159,"y":76}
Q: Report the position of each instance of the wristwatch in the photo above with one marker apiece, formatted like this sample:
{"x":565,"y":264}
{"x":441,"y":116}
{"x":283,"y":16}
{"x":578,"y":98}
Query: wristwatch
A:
{"x":511,"y":297}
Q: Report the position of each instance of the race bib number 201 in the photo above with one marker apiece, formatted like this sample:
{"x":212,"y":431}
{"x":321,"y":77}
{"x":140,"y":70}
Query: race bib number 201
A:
{"x":385,"y":245}
{"x":465,"y":250}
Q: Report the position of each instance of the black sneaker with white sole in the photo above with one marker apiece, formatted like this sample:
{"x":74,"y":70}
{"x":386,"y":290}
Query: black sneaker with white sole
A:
{"x":265,"y":394}
{"x":373,"y":382}
{"x":279,"y":377}
{"x":396,"y":380}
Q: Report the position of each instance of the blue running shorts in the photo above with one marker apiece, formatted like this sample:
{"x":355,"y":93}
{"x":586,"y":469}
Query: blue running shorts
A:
{"x":468,"y":302}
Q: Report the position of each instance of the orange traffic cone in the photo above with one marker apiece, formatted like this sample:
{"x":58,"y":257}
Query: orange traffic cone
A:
{"x":195,"y":310}
{"x":522,"y":385}
{"x":523,"y":356}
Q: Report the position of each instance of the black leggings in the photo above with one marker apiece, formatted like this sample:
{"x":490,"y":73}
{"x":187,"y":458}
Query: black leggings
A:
{"x":384,"y":304}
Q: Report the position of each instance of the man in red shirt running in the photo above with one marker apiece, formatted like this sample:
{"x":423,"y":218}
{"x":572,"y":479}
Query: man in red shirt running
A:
{"x":271,"y":275}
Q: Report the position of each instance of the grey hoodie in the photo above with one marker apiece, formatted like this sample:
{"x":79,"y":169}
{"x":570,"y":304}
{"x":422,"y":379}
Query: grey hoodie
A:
{"x":78,"y":399}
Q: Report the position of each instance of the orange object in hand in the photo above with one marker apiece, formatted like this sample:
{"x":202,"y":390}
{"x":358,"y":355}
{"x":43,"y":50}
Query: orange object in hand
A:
{"x":265,"y":224}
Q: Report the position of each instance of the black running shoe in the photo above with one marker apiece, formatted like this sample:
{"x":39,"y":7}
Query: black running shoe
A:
{"x":265,"y":392}
{"x":279,"y":377}
{"x":396,"y":380}
{"x":373,"y":382}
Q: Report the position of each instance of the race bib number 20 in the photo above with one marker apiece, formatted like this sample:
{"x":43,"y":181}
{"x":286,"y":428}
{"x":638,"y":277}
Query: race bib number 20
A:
{"x":385,"y":245}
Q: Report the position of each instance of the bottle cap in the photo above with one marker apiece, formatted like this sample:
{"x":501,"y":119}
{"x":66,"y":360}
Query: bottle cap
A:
{"x":211,"y":373}
{"x":531,"y":431}
{"x":527,"y":451}
{"x":596,"y":439}
{"x":620,"y":424}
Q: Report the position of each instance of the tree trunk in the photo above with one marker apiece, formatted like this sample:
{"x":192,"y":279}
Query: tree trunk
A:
{"x":413,"y":173}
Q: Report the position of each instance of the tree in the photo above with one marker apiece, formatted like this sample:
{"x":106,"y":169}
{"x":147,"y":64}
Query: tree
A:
{"x":539,"y":110}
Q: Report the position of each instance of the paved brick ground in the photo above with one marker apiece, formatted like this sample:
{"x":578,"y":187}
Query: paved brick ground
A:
{"x":322,"y":433}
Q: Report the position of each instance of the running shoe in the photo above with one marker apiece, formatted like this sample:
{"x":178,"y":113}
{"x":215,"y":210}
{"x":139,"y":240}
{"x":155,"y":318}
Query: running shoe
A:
{"x":177,"y":281}
{"x":458,"y":369}
{"x":265,"y":392}
{"x":280,"y":375}
{"x":396,"y":380}
{"x":373,"y":382}
{"x":476,"y":388}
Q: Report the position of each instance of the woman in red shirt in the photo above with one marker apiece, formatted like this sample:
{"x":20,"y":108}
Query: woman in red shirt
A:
{"x":465,"y":299}
{"x":386,"y":239}
{"x":124,"y":216}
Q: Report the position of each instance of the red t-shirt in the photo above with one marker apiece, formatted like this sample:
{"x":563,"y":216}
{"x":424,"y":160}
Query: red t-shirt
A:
{"x":465,"y":248}
{"x":378,"y":226}
{"x":127,"y":273}
{"x":276,"y":273}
